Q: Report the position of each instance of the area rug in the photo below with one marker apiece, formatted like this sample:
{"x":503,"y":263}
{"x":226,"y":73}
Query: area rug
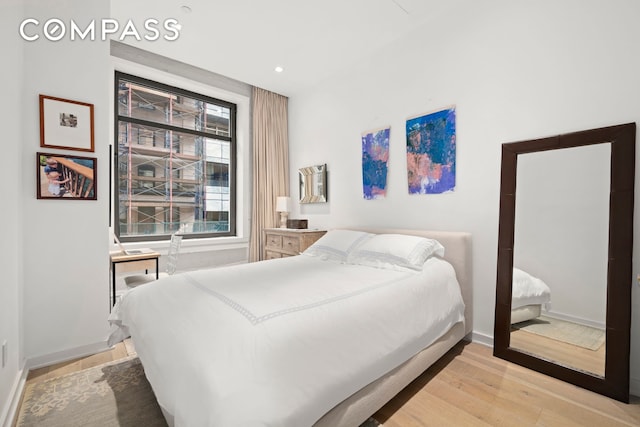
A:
{"x":115,"y":394}
{"x":560,"y":330}
{"x":112,"y":394}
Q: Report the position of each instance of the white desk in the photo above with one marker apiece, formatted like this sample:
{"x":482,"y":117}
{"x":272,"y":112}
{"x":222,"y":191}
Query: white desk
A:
{"x":120,"y":257}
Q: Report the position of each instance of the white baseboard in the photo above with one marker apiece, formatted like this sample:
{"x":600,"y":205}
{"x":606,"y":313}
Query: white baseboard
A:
{"x":573,"y":319}
{"x":10,"y":410}
{"x":65,"y":355}
{"x":483,"y":339}
{"x":634,"y":386}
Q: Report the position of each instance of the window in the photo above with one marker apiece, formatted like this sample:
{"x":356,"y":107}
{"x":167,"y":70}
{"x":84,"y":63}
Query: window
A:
{"x":145,"y":172}
{"x":175,"y":161}
{"x":217,"y":174}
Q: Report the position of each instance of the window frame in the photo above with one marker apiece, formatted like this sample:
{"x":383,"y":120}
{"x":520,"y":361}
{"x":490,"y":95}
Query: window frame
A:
{"x":233,"y":160}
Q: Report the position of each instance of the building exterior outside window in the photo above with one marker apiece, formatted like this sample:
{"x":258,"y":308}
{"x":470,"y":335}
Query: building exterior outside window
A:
{"x":175,"y":162}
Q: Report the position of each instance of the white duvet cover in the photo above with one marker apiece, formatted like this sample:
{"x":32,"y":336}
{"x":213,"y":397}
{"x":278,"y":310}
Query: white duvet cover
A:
{"x":279,"y":343}
{"x":528,"y":290}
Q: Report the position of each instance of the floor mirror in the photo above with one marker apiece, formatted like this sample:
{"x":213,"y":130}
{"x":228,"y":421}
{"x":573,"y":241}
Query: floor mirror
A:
{"x":564,"y":271}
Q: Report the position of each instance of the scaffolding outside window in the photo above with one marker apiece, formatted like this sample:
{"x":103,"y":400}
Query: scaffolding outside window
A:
{"x":175,"y":162}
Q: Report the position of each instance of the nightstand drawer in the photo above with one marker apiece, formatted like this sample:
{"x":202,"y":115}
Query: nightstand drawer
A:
{"x":291,"y":244}
{"x":271,"y":254}
{"x":285,"y":242}
{"x":274,"y":241}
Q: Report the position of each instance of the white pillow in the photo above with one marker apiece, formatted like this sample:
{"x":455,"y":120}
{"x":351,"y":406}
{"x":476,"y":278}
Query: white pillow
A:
{"x":336,"y":245}
{"x":396,"y":251}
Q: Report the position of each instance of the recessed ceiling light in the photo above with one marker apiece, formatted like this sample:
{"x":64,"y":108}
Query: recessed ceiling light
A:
{"x":185,"y":9}
{"x":279,"y":69}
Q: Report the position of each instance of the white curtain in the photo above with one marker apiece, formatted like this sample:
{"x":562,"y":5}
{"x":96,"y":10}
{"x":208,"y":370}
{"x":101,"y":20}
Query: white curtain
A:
{"x":270,"y":163}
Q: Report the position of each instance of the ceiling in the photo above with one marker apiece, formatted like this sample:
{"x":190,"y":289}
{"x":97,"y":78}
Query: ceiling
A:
{"x":247,"y":39}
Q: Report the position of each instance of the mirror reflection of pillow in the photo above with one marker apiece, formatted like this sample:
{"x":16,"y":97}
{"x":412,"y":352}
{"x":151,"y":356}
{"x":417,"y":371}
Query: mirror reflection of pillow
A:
{"x":528,"y":289}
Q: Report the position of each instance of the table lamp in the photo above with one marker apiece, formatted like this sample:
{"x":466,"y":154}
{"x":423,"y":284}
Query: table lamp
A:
{"x":283,"y":205}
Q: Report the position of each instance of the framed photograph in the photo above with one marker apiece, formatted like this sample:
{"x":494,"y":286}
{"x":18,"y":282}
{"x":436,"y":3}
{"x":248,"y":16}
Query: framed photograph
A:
{"x":62,"y":176}
{"x":66,"y":124}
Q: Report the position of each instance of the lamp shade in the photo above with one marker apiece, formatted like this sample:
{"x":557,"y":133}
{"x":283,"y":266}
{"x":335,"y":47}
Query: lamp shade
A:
{"x":283,"y":204}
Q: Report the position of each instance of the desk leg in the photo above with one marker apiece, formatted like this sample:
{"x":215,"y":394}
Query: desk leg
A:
{"x":157,"y":268}
{"x":113,"y":284}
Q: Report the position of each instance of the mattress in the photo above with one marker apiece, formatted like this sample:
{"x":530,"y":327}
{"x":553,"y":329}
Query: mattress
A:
{"x":281,"y":342}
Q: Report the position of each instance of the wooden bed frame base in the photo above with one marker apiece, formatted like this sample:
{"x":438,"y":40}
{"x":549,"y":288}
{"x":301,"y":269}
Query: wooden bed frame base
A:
{"x":526,"y":312}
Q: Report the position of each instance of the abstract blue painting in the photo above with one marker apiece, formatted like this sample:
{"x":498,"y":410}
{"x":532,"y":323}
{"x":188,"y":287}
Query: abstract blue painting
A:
{"x":375,"y":158}
{"x":431,"y":152}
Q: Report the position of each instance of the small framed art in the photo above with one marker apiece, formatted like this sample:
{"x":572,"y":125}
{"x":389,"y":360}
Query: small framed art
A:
{"x":66,"y":124}
{"x":67,"y":177}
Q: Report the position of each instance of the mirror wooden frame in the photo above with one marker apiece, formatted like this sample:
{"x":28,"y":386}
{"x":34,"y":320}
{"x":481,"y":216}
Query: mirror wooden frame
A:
{"x":615,"y":382}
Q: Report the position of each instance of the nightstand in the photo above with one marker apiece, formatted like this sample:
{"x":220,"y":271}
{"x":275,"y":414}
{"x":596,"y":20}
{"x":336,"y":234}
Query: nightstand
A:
{"x":284,"y":242}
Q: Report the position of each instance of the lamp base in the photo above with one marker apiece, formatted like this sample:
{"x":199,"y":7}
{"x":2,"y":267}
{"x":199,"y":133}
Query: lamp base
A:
{"x":283,"y":219}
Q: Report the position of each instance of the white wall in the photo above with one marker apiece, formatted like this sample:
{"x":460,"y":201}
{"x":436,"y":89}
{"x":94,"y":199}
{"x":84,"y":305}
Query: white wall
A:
{"x":65,"y":243}
{"x":515,"y":70}
{"x":10,"y":244}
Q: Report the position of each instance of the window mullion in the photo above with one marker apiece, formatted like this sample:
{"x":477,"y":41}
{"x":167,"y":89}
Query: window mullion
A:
{"x":165,"y":126}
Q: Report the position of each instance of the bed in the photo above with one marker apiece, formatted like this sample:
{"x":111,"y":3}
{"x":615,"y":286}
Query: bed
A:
{"x":529,"y":295}
{"x":321,"y":339}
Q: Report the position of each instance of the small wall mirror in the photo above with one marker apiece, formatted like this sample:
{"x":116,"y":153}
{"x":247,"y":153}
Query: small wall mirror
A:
{"x":313,"y":184}
{"x":563,"y":294}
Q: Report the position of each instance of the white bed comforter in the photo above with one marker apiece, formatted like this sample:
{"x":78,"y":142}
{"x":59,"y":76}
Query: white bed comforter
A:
{"x":279,"y":343}
{"x":528,"y":290}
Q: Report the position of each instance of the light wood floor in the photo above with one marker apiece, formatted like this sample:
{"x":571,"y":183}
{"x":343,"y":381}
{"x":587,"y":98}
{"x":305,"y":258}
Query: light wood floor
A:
{"x":563,"y":353}
{"x":467,"y":387}
{"x":470,"y":387}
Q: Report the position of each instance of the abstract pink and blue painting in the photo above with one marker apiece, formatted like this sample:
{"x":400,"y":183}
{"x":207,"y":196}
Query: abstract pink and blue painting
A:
{"x":375,"y":158}
{"x":431,"y":152}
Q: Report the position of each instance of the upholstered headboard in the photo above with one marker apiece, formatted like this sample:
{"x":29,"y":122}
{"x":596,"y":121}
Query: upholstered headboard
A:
{"x":457,"y":251}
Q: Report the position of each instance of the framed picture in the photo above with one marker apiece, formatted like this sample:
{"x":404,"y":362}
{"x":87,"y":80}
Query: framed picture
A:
{"x":66,"y":124}
{"x":62,"y":176}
